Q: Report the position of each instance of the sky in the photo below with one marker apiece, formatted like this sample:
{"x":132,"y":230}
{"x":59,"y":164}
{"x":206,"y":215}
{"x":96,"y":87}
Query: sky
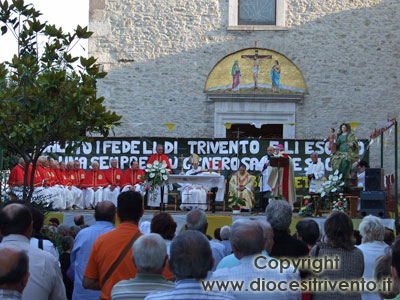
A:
{"x":67,"y":14}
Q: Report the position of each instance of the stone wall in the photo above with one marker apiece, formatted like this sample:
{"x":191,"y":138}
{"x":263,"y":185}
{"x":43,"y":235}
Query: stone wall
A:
{"x":158,"y":54}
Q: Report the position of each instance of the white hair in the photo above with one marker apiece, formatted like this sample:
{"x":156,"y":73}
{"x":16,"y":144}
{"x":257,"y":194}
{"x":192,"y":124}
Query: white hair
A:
{"x":196,"y":220}
{"x":225,"y":232}
{"x":149,"y":252}
{"x":371,"y":229}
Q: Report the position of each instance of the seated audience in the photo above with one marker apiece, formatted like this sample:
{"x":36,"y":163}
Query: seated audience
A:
{"x":247,"y":238}
{"x":279,"y":215}
{"x":14,"y":274}
{"x":67,"y":242}
{"x":38,"y":240}
{"x":373,"y":246}
{"x":339,"y":234}
{"x":79,"y":220}
{"x":190,"y":260}
{"x":308,"y":231}
{"x":163,"y":224}
{"x":217,"y":234}
{"x":225,"y":234}
{"x":383,"y":271}
{"x":197,"y":220}
{"x":149,"y":255}
{"x":54,"y":222}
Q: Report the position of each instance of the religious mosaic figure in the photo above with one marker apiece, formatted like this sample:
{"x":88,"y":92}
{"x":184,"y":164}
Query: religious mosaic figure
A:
{"x":347,"y":151}
{"x":256,"y":67}
{"x":275,"y":76}
{"x":236,"y":73}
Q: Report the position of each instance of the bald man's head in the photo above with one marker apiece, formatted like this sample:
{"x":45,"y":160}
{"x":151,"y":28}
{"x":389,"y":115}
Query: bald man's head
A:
{"x":270,"y":150}
{"x":16,"y":218}
{"x":105,"y":211}
{"x":14,"y":266}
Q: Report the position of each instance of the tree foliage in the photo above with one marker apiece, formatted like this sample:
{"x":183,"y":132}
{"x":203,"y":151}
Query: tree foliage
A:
{"x":44,"y":97}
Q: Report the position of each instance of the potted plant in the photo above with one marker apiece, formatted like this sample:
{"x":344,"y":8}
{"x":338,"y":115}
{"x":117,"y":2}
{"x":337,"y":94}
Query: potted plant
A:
{"x":235,"y":202}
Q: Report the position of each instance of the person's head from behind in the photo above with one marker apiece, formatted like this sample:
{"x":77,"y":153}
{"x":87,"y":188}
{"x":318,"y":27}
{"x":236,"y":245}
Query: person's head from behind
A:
{"x":217,"y":234}
{"x":79,"y":220}
{"x":389,"y":236}
{"x":372,"y":229}
{"x":396,"y":262}
{"x":382,"y":272}
{"x":268,"y":234}
{"x":339,"y":230}
{"x":105,"y":211}
{"x":279,"y":215}
{"x":308,"y":231}
{"x":14,"y":269}
{"x":67,"y":242}
{"x":225,"y":233}
{"x":163,"y":224}
{"x":149,"y":254}
{"x":54,"y":222}
{"x":190,"y":256}
{"x":38,"y":220}
{"x":16,"y":218}
{"x":247,"y":238}
{"x":130,"y":207}
{"x":196,"y":220}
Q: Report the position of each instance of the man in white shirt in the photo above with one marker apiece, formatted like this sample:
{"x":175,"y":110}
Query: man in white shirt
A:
{"x":361,"y":166}
{"x":315,"y":173}
{"x":45,"y":281}
{"x":265,"y":189}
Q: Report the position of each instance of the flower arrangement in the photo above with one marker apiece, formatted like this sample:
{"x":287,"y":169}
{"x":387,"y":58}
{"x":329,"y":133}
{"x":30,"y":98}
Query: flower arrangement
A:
{"x":340,"y":203}
{"x":307,"y":210}
{"x":156,"y":174}
{"x":332,"y":187}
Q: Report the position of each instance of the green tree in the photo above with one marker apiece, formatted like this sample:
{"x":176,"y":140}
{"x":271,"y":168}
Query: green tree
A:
{"x":44,"y":98}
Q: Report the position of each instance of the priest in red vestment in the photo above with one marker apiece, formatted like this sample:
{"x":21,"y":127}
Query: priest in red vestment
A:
{"x":60,"y":184}
{"x":133,"y":178}
{"x":281,"y":179}
{"x":114,"y":177}
{"x":152,"y":200}
{"x":93,"y":185}
{"x":74,"y":181}
{"x":16,"y":179}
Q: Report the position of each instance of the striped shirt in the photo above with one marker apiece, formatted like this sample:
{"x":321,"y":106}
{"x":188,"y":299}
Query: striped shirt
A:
{"x":10,"y":295}
{"x":188,"y":289}
{"x":140,"y":286}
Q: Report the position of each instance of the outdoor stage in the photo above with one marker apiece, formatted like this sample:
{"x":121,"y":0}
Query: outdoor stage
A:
{"x":215,"y":220}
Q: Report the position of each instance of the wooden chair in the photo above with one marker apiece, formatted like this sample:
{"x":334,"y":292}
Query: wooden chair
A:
{"x":175,"y":205}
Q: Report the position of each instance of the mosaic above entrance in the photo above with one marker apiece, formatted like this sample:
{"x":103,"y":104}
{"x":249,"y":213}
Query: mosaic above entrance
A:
{"x":255,"y":70}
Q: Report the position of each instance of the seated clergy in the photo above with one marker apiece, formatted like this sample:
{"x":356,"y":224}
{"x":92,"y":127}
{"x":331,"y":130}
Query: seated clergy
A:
{"x":60,"y":181}
{"x":242,"y":183}
{"x":16,"y":179}
{"x":133,"y":178}
{"x":73,"y":183}
{"x":93,"y":185}
{"x":194,"y":195}
{"x":114,"y":177}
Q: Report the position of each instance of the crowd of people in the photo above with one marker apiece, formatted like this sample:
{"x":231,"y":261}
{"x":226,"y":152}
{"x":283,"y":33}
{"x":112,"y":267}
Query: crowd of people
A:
{"x":107,"y":262}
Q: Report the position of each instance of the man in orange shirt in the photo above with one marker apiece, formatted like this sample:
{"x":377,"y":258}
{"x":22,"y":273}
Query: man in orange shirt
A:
{"x":133,"y":178}
{"x":111,"y":245}
{"x":93,"y":185}
{"x":114,"y":177}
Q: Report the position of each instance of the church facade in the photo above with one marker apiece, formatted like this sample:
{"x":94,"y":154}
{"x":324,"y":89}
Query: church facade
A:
{"x":289,"y":69}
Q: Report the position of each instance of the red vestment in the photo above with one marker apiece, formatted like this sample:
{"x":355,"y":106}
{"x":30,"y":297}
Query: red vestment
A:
{"x":132,"y":177}
{"x":37,"y":178}
{"x":114,"y":176}
{"x":16,"y":176}
{"x":43,"y":174}
{"x":160,"y":158}
{"x":63,"y":177}
{"x":53,"y":176}
{"x":76,"y":177}
{"x":94,"y":179}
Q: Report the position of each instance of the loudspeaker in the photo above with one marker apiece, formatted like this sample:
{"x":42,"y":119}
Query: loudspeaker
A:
{"x":374,"y":179}
{"x":373,"y":203}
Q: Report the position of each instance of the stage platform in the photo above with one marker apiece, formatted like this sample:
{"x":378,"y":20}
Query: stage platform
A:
{"x":215,"y":220}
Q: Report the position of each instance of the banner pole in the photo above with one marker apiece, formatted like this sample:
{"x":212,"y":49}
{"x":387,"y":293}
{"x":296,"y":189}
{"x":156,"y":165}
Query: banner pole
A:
{"x":396,"y":192}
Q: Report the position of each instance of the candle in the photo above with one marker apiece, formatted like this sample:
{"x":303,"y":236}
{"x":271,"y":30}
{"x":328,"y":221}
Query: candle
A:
{"x":211,"y":164}
{"x":219,"y":164}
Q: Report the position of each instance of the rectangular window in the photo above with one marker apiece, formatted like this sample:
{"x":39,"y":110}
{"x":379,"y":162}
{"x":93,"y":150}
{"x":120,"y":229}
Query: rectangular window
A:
{"x":257,"y":12}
